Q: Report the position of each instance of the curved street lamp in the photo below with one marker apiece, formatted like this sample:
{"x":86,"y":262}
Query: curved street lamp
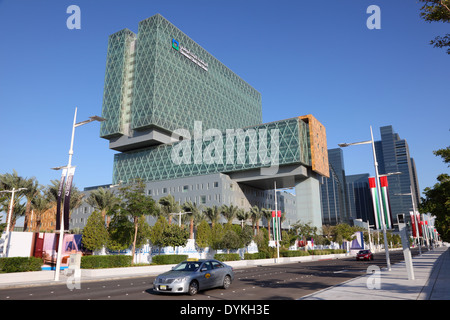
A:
{"x":377,"y":176}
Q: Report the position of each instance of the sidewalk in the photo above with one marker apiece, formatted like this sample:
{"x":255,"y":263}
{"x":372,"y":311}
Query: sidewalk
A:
{"x":432,"y":282}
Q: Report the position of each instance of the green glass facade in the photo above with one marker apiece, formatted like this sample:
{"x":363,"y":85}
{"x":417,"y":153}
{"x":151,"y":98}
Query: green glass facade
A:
{"x":250,"y":148}
{"x":160,"y":78}
{"x":158,"y":83}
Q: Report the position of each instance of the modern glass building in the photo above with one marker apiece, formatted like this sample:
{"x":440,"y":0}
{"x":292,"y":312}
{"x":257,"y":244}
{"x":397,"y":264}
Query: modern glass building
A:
{"x":188,"y":126}
{"x":334,"y":192}
{"x":160,"y":80}
{"x":394,"y":157}
{"x":345,"y":198}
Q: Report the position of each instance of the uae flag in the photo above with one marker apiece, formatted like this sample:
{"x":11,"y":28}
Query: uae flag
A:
{"x":386,"y":202}
{"x":276,"y":219}
{"x":67,"y":192}
{"x":413,"y":224}
{"x":58,"y":204}
{"x":376,"y":205}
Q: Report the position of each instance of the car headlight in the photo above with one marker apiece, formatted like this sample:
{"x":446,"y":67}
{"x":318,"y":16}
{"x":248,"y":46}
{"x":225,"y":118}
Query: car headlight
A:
{"x":180,"y":280}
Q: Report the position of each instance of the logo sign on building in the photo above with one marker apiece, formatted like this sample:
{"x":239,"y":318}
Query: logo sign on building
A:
{"x":188,"y":54}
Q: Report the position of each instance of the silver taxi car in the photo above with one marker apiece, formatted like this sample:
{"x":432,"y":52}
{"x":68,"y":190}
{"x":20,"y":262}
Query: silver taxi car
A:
{"x":193,"y":275}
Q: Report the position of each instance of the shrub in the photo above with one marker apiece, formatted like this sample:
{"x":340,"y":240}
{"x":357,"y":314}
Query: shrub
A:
{"x":20,"y":264}
{"x":294,"y":253}
{"x":169,"y":258}
{"x":227,"y":256}
{"x":108,"y":261}
{"x":336,"y":251}
{"x":257,"y":255}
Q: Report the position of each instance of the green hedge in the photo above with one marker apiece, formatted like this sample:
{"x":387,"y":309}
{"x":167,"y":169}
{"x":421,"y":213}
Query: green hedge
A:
{"x":294,"y":253}
{"x":108,"y":261}
{"x":227,"y":256}
{"x":257,"y":255}
{"x":169,"y":258}
{"x":20,"y":264}
{"x":326,"y":251}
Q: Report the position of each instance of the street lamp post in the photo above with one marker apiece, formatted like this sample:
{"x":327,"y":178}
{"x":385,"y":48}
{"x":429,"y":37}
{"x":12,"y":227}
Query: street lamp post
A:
{"x":377,"y":177}
{"x":6,"y":244}
{"x":69,"y":165}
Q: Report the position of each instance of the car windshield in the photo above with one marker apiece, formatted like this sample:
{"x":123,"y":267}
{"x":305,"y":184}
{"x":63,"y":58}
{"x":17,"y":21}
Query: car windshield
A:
{"x":187,"y":266}
{"x":363,"y":252}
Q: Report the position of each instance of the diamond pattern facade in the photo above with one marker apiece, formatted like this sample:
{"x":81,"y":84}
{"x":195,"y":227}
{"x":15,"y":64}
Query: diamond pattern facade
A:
{"x":288,"y":137}
{"x":161,"y":81}
{"x":117,"y":90}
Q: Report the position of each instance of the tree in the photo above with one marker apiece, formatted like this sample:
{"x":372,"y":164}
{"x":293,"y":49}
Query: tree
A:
{"x":255,"y":214}
{"x":267,"y":214}
{"x":51,"y":192}
{"x":229,"y":212}
{"x":217,"y":234}
{"x":104,"y":200}
{"x":444,"y":154}
{"x":192,"y":211}
{"x":243,"y":216}
{"x":437,"y":199}
{"x":203,"y":238}
{"x":95,"y":235}
{"x":157,"y":232}
{"x":169,"y":206}
{"x":213,"y":214}
{"x":40,"y":205}
{"x":32,"y":190}
{"x":231,"y":240}
{"x":121,"y":231}
{"x":174,"y":236}
{"x":439,"y":11}
{"x":305,"y":229}
{"x":9,"y":181}
{"x":343,"y":232}
{"x":135,"y":204}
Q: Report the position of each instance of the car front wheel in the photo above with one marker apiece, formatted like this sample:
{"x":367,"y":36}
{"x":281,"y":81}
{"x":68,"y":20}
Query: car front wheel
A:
{"x":193,"y":288}
{"x":226,"y":282}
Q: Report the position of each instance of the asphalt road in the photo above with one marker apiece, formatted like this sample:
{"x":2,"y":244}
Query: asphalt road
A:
{"x":275,"y":282}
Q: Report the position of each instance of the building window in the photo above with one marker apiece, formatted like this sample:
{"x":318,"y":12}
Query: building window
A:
{"x":164,"y":190}
{"x":216,"y":184}
{"x":203,"y":199}
{"x":185,"y":188}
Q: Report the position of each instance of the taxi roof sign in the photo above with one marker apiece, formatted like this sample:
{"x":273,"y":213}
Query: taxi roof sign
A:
{"x":192,"y":259}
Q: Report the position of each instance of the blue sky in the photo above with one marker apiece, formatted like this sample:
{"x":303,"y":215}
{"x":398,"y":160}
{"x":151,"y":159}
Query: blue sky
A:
{"x":304,"y":57}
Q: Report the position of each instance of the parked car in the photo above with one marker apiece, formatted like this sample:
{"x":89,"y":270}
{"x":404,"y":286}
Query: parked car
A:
{"x":364,"y":255}
{"x":193,"y":275}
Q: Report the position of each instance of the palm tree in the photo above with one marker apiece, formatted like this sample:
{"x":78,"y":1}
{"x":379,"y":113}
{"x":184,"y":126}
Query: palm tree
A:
{"x":8,"y":182}
{"x":103,"y":200}
{"x":255,"y":214}
{"x":267,"y":214}
{"x":192,"y":211}
{"x":39,"y":205}
{"x":213,"y":214}
{"x":229,"y":212}
{"x":242,"y":215}
{"x":51,"y":192}
{"x":168,"y":206}
{"x":32,"y":190}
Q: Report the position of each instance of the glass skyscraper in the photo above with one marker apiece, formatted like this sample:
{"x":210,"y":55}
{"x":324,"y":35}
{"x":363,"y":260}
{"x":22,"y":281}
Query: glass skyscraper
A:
{"x":394,"y":157}
{"x":347,"y":197}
